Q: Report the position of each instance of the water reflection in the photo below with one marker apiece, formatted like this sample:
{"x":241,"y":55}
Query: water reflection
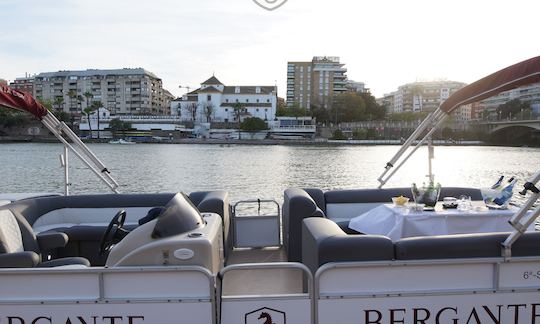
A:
{"x":255,"y":171}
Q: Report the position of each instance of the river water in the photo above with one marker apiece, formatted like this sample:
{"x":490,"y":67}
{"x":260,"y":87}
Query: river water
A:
{"x":255,"y":171}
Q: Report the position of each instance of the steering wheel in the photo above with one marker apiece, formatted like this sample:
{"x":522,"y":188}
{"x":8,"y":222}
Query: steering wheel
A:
{"x":114,"y":233}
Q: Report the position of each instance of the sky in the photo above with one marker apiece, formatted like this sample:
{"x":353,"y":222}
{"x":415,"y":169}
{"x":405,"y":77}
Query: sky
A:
{"x":384,"y":43}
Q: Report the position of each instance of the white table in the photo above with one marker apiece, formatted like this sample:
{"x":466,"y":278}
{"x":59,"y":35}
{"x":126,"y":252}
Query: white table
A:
{"x":401,"y":222}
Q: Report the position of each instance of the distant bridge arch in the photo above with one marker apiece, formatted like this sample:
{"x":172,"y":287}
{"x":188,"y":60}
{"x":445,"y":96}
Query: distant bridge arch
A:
{"x":496,"y":127}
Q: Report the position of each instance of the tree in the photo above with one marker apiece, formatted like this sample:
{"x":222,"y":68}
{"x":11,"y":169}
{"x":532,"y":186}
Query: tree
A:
{"x":512,"y":108}
{"x":253,"y":124}
{"x":59,"y":103}
{"x":117,"y":125}
{"x":72,"y":94}
{"x":238,"y":111}
{"x":348,"y":107}
{"x":208,"y":111}
{"x":320,"y":114}
{"x":88,"y":111}
{"x":374,"y":111}
{"x":192,"y":108}
{"x":408,"y":116}
{"x":294,"y":111}
{"x":96,"y":105}
{"x":338,"y":135}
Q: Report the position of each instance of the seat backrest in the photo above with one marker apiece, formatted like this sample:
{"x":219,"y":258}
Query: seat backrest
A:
{"x":10,"y":233}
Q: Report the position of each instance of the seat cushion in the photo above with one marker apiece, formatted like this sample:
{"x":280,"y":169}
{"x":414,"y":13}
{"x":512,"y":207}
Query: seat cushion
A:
{"x":10,"y":233}
{"x":64,"y":262}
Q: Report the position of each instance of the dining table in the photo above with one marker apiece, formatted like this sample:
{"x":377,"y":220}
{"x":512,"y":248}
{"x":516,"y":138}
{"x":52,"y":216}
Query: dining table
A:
{"x":397,"y":222}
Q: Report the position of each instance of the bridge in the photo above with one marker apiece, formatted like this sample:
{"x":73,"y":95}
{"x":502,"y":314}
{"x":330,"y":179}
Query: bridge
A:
{"x":499,"y":125}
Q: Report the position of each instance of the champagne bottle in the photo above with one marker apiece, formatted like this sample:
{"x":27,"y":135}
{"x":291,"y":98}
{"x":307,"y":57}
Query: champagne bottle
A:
{"x":507,"y":193}
{"x":497,"y":184}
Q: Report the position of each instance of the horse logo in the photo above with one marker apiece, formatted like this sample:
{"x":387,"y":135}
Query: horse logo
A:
{"x":265,"y":316}
{"x":270,"y":4}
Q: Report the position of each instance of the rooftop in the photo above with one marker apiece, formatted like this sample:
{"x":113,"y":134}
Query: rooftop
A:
{"x":97,"y":72}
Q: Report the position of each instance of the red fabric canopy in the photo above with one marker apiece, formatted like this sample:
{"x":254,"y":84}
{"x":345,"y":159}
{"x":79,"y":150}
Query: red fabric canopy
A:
{"x":509,"y":78}
{"x":15,"y":99}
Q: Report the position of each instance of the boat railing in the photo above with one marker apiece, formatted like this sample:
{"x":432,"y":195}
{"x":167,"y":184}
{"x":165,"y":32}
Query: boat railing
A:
{"x":276,"y":307}
{"x":250,"y":216}
{"x":82,"y":293}
{"x":526,"y":215}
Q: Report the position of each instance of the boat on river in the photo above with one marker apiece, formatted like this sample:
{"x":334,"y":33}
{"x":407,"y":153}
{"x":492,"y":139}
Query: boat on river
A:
{"x":121,"y":142}
{"x":162,"y":258}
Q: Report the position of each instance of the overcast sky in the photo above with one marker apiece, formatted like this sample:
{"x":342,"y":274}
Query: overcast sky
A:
{"x":384,"y":43}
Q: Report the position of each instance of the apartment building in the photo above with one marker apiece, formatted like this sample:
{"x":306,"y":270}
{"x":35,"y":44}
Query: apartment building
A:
{"x":529,"y":94}
{"x":421,"y":96}
{"x":215,"y":102}
{"x":125,"y":91}
{"x":316,"y":82}
{"x":25,"y":84}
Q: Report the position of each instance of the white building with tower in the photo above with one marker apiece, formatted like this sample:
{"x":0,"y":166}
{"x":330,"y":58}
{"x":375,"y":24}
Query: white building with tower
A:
{"x":215,"y":102}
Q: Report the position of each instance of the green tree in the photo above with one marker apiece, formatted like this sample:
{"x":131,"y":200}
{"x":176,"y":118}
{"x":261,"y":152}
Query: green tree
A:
{"x":320,"y":114}
{"x":88,"y":111}
{"x":512,"y":108}
{"x":58,"y":103}
{"x":338,"y":135}
{"x":72,"y":94}
{"x":239,"y":110}
{"x":88,"y":96}
{"x":348,"y":107}
{"x":360,"y":134}
{"x":10,"y":118}
{"x":253,"y":124}
{"x":408,"y":116}
{"x":374,"y":111}
{"x":116,"y":125}
{"x":294,"y":111}
{"x":96,"y":105}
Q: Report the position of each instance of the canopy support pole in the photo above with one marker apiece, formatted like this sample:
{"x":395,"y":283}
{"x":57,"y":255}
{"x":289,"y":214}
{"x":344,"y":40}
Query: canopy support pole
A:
{"x":59,"y":129}
{"x":433,"y":120}
{"x":523,"y":213}
{"x":64,"y":161}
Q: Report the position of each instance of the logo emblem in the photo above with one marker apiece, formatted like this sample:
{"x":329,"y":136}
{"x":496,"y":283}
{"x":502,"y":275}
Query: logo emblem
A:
{"x":270,"y":4}
{"x":265,"y":315}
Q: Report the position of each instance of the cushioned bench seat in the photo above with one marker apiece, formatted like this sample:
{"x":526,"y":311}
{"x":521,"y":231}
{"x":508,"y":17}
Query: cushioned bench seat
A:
{"x":339,"y":206}
{"x":324,"y":241}
{"x":479,"y":245}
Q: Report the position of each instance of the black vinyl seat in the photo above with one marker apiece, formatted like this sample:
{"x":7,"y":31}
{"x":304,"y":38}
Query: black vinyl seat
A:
{"x":21,"y":248}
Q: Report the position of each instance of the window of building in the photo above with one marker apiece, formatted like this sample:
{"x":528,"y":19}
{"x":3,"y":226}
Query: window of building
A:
{"x":226,"y":100}
{"x":257,"y":109}
{"x":226,"y":109}
{"x":237,"y":90}
{"x":236,"y":100}
{"x":247,"y":100}
{"x":267,"y":100}
{"x":209,"y":97}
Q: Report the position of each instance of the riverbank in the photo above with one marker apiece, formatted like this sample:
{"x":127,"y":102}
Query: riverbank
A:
{"x":222,"y":142}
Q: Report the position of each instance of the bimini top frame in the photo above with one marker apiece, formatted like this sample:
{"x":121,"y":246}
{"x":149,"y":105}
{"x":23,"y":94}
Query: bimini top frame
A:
{"x":514,"y":76}
{"x":14,"y":99}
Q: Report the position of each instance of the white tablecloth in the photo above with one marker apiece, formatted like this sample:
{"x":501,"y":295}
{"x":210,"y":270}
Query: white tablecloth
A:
{"x":400,"y":222}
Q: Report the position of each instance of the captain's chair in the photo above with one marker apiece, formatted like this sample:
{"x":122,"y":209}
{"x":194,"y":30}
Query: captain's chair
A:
{"x":21,"y":248}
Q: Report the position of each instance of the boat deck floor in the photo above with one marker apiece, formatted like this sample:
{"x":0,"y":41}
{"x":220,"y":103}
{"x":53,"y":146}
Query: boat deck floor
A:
{"x":261,"y":281}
